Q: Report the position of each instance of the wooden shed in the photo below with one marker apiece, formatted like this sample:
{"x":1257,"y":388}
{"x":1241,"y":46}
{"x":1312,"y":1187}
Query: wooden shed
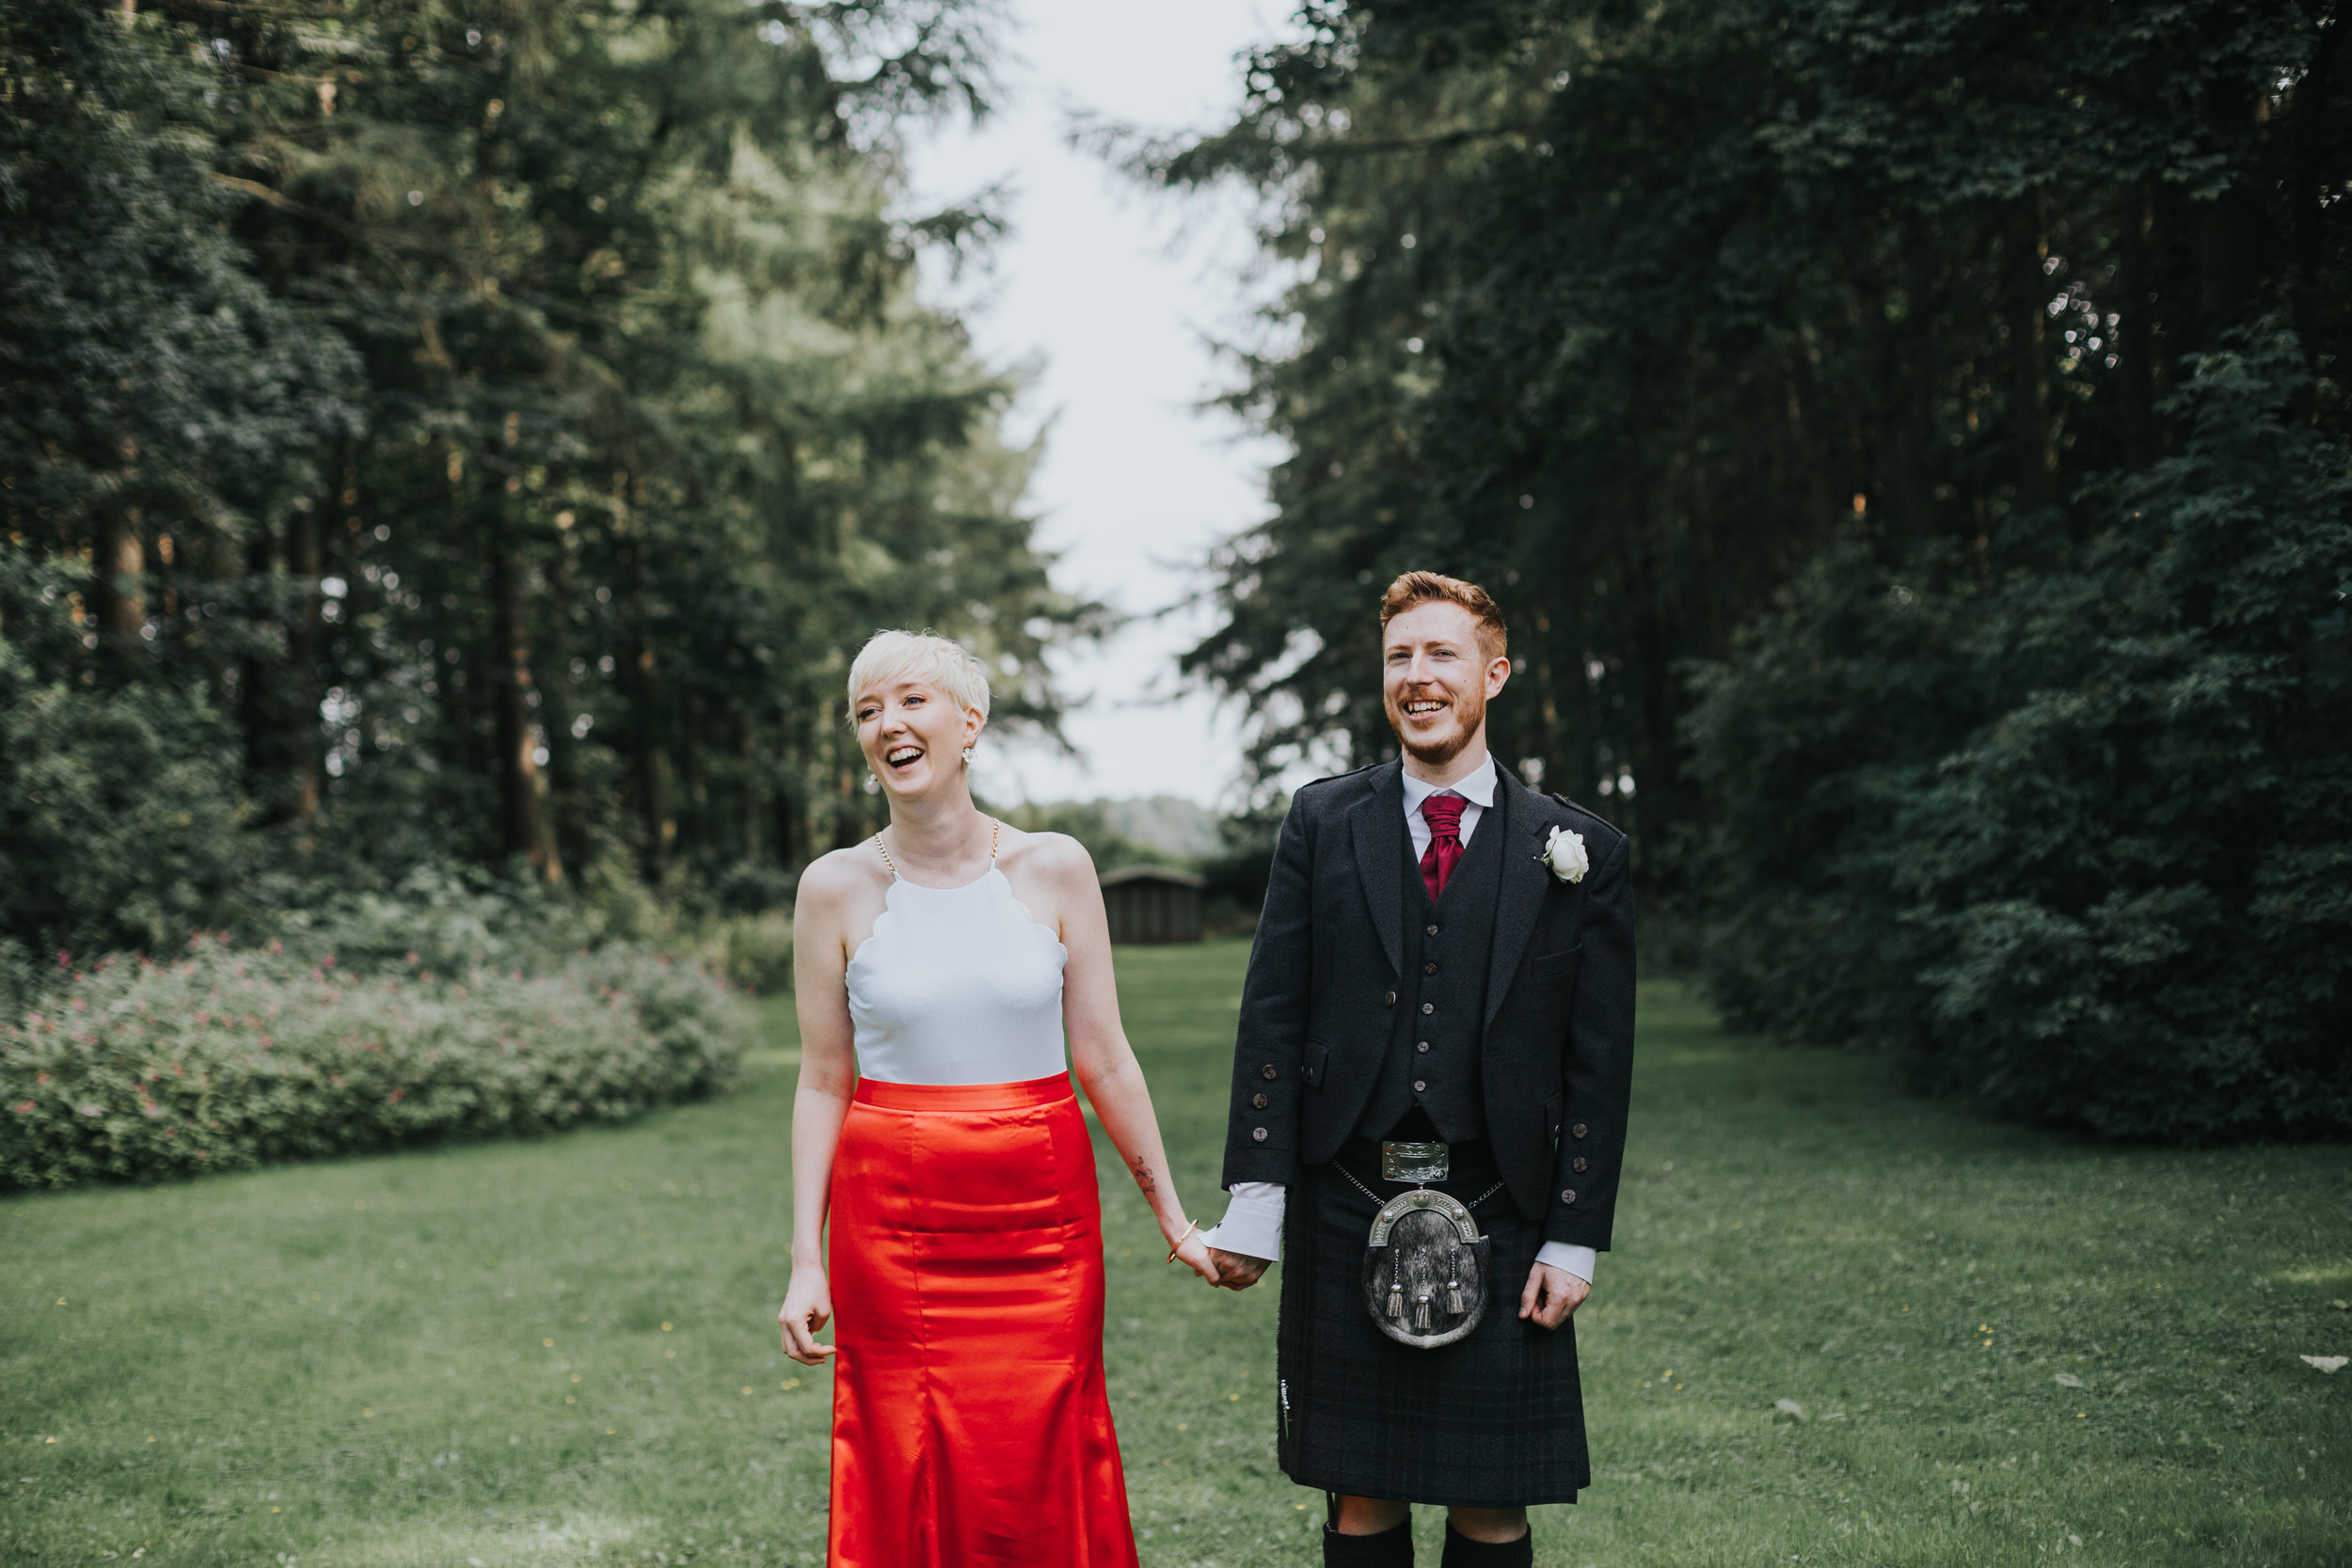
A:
{"x":1153,"y":903}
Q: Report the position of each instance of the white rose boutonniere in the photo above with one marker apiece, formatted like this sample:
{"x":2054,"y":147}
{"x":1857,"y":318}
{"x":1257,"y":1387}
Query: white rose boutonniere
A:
{"x":1564,"y":855}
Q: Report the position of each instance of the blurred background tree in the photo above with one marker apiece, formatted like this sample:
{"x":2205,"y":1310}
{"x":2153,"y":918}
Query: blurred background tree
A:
{"x":1866,"y":416}
{"x":441,"y":433}
{"x":1907,"y":441}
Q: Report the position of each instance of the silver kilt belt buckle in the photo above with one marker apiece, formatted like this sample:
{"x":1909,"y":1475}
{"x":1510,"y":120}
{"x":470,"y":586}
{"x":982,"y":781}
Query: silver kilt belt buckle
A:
{"x":1404,"y":1160}
{"x":1424,"y":1267}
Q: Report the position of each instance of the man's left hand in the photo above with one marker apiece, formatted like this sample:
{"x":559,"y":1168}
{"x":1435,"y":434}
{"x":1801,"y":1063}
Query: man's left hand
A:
{"x":1551,"y":1294}
{"x":1235,"y":1271}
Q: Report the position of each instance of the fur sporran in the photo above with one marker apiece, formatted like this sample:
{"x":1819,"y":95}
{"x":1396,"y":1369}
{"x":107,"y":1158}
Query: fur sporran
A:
{"x":1425,"y":1276}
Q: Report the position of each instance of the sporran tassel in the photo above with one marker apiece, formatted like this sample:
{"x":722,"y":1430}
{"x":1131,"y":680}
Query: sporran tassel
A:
{"x":1396,"y":1299}
{"x":1454,"y":1297}
{"x":1421,"y":1313}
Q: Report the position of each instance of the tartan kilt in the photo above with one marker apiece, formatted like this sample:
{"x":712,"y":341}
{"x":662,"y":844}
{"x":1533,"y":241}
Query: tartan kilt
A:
{"x":1493,"y":1420}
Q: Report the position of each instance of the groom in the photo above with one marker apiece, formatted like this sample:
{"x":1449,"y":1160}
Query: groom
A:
{"x":1442,"y":981}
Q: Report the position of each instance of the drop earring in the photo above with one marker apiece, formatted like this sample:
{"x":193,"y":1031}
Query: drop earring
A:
{"x":873,"y":784}
{"x":967,"y":757}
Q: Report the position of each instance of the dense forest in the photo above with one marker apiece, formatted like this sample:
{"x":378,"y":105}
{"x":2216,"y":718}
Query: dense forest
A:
{"x":1909,"y":443}
{"x":446,"y":434}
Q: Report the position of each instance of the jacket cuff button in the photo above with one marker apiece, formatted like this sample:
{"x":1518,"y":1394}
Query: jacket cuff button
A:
{"x":1567,"y":1195}
{"x":1257,"y":1135}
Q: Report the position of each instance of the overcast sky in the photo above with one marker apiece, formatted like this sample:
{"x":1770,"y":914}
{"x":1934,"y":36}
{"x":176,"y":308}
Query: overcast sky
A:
{"x":1111,"y":294}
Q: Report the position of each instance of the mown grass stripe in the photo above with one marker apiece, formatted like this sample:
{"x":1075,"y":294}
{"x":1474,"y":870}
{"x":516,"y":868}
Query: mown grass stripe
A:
{"x":257,"y":1365}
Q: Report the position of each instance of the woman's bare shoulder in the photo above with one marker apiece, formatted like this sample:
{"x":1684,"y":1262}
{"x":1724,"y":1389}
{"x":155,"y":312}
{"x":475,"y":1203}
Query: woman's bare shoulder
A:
{"x":1048,"y":857}
{"x":837,"y":876}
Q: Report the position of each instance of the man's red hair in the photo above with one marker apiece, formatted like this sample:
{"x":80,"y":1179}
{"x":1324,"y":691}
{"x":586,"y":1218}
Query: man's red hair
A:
{"x":1421,"y":588}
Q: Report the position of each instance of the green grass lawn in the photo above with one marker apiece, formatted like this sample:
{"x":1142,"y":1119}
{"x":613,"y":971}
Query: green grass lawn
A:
{"x":1840,"y":1327}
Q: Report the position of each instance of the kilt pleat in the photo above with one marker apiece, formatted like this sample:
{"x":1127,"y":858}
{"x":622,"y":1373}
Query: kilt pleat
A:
{"x":1493,"y":1420}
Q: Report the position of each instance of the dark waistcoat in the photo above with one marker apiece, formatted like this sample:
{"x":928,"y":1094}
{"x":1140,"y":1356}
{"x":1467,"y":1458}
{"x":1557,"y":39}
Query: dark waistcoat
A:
{"x":1443,"y":997}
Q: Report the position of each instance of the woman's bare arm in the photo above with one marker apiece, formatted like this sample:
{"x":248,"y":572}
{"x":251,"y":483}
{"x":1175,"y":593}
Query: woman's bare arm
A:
{"x":821,"y":1102}
{"x":1104,"y":1061}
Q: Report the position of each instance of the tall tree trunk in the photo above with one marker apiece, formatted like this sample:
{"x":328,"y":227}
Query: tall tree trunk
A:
{"x":2033,"y":449}
{"x":650,"y":763}
{"x":521,"y":786}
{"x":2235,"y":239}
{"x":117,"y":589}
{"x":1800,"y":388}
{"x":1911,"y":404}
{"x":2135,"y":337}
{"x":257,"y":689}
{"x":557,"y":705}
{"x":788,"y":839}
{"x":748,"y":804}
{"x":695,"y":780}
{"x":303,"y":640}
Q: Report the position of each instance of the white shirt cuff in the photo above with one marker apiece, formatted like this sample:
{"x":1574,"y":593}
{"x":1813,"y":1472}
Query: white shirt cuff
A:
{"x":1252,"y":1226}
{"x":1578,"y":1260}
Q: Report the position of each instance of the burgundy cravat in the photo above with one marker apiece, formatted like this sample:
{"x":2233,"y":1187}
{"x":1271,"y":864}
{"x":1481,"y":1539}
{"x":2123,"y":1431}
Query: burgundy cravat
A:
{"x":1444,"y":815}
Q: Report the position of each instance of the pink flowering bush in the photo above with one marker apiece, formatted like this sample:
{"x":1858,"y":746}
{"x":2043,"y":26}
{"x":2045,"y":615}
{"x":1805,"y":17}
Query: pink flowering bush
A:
{"x":224,"y":1059}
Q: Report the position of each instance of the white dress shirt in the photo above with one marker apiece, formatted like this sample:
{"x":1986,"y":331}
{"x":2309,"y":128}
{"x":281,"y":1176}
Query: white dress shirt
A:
{"x":1252,"y":1226}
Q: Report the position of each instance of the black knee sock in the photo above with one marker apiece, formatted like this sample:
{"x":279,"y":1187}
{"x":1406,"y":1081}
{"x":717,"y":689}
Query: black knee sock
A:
{"x":1462,"y":1552}
{"x":1391,"y":1548}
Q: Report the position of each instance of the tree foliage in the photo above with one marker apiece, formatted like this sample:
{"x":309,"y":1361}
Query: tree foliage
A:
{"x":1629,"y":311}
{"x":1872,"y":362}
{"x":2074,"y":840}
{"x":497,"y":423}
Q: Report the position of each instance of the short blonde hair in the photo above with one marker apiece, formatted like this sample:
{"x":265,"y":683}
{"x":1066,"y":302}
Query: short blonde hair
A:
{"x":890,"y":656}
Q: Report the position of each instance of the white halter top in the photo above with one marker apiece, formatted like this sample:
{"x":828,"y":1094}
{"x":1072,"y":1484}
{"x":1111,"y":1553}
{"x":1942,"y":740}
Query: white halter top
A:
{"x":957,"y":986}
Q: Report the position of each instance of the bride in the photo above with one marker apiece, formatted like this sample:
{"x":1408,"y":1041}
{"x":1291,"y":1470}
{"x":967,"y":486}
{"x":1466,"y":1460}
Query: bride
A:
{"x":937,"y":965}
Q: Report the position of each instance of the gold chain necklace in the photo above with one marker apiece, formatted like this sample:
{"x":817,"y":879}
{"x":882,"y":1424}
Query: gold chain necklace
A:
{"x":995,"y":830}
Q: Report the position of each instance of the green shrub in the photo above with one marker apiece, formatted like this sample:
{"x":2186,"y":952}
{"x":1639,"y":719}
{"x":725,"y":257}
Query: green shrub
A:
{"x":441,"y":916}
{"x":228,"y":1059}
{"x":2077,"y":836}
{"x":753,"y":951}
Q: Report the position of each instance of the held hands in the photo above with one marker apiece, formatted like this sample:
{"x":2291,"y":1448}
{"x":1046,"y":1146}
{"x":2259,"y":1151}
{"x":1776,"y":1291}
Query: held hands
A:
{"x":1551,"y":1294}
{"x":807,"y":1307}
{"x":1197,"y":1255}
{"x":1235,"y":1271}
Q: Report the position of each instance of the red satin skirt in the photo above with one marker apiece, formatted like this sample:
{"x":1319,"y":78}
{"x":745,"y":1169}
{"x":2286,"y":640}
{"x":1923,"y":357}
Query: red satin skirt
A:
{"x":969,"y":1423}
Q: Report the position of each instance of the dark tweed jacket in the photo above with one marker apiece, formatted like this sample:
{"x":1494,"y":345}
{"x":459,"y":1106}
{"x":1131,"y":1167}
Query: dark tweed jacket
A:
{"x":1557,"y":1046}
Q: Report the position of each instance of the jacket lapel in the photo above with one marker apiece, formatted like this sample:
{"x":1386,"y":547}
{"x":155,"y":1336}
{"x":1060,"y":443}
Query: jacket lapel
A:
{"x":1377,"y":825}
{"x":1524,"y":882}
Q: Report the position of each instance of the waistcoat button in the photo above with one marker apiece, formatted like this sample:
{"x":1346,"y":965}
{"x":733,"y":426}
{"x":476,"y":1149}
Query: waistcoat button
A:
{"x":1257,"y":1135}
{"x":1576,"y":1165}
{"x":1419,"y":1085}
{"x":1262,"y":1102}
{"x":1429,"y":968}
{"x":1433,"y":931}
{"x":1420,"y":1045}
{"x":1578,"y":1129}
{"x":1567,"y":1195}
{"x":1429,"y":1006}
{"x":1269,"y":1073}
